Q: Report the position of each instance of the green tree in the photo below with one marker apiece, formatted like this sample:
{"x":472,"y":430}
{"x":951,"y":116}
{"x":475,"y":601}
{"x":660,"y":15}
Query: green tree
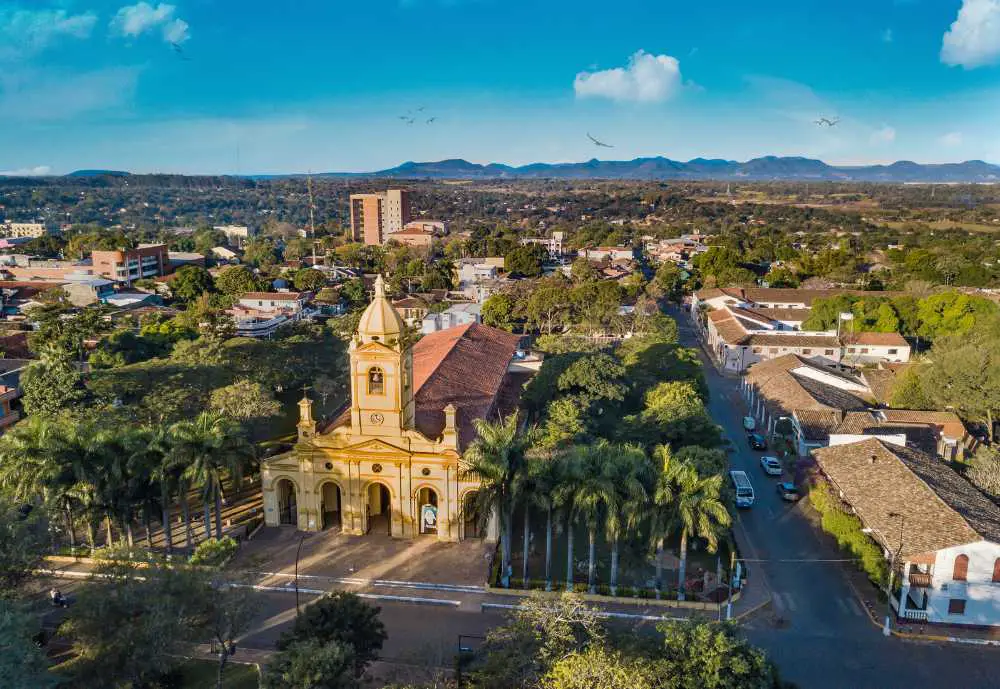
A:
{"x":191,"y":282}
{"x":308,"y":280}
{"x":23,"y":664}
{"x":712,"y":656}
{"x":965,"y":376}
{"x":525,"y":261}
{"x":312,"y":665}
{"x":340,"y":618}
{"x":244,"y":400}
{"x":498,"y":311}
{"x":699,"y":513}
{"x":238,"y":280}
{"x":22,"y":544}
{"x":260,"y":253}
{"x":629,"y":471}
{"x":952,"y":313}
{"x":583,"y":270}
{"x":51,"y":383}
{"x":670,"y":280}
{"x":494,"y":459}
{"x":598,"y":667}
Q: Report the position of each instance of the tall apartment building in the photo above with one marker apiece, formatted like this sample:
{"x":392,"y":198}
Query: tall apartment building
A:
{"x":129,"y":265}
{"x":376,"y":216}
{"x":22,"y":229}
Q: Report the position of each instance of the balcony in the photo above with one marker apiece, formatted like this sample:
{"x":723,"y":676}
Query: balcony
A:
{"x":920,"y":580}
{"x":915,"y":615}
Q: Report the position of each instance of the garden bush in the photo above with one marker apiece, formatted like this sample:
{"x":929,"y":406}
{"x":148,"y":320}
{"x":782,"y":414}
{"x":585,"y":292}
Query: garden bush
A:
{"x":846,"y":528}
{"x":214,"y":552}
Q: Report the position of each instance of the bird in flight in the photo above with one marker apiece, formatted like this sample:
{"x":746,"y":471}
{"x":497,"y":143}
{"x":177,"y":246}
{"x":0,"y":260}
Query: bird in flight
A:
{"x":179,"y":50}
{"x":431,"y":120}
{"x":598,"y":143}
{"x":407,"y":119}
{"x":826,"y":122}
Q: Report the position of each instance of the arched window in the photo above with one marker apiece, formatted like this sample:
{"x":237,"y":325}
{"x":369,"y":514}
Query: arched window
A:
{"x":376,"y":381}
{"x":961,"y":572}
{"x":996,"y":570}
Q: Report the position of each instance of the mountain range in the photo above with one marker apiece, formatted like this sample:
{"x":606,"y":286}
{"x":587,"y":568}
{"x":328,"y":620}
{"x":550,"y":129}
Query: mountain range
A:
{"x":774,"y":168}
{"x":760,"y":169}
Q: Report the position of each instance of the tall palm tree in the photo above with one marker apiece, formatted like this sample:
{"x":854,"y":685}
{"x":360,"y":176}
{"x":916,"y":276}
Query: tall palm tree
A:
{"x":545,"y":474}
{"x":165,"y":474}
{"x":699,"y":512}
{"x":495,"y":458}
{"x":628,"y":469}
{"x":595,"y":492}
{"x":660,"y":510}
{"x":210,"y":444}
{"x":564,"y":499}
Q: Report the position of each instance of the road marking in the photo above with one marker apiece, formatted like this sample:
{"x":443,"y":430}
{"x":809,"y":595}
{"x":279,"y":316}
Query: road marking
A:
{"x":855,"y":608}
{"x":387,"y":583}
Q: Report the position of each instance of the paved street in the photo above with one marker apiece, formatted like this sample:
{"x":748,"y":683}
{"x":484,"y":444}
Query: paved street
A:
{"x":815,"y":628}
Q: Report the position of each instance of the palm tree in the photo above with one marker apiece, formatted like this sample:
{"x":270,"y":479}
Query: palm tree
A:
{"x":165,"y":474}
{"x":545,"y":474}
{"x":660,"y":511}
{"x":564,"y":499}
{"x":629,"y":471}
{"x":595,"y":492}
{"x":495,"y":458}
{"x":209,"y":445}
{"x":699,"y":512}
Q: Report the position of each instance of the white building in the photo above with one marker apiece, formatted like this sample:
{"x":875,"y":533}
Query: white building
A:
{"x":22,"y":229}
{"x":553,"y":244}
{"x":611,"y":253}
{"x":454,"y":315}
{"x":259,"y":314}
{"x":236,"y":235}
{"x":946,"y":533}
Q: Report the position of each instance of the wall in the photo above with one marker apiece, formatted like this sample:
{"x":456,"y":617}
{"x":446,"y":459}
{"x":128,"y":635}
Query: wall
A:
{"x":982,"y":596}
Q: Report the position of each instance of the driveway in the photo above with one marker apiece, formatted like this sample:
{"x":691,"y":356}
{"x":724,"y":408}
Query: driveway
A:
{"x":815,"y":628}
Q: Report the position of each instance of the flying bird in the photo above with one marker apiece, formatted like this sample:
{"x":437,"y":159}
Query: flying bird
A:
{"x":598,"y":143}
{"x":826,"y":122}
{"x":179,"y":50}
{"x":407,"y":119}
{"x":431,"y":120}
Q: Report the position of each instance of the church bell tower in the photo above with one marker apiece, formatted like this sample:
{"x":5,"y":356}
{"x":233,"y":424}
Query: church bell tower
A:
{"x":381,"y":371}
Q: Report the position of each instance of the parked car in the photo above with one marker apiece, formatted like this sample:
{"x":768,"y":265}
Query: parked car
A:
{"x":749,"y":424}
{"x":757,"y":441}
{"x":771,"y":465}
{"x":788,"y":492}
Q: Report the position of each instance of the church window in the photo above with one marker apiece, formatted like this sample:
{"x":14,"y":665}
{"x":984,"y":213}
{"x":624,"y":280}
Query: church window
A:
{"x":376,"y":381}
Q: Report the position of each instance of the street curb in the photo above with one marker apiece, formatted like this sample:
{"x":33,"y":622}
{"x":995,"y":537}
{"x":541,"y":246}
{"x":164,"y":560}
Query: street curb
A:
{"x":616,"y":600}
{"x":370,"y":596}
{"x":746,"y":613}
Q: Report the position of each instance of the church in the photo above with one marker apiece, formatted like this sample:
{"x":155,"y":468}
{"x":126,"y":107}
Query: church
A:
{"x":391,"y":462}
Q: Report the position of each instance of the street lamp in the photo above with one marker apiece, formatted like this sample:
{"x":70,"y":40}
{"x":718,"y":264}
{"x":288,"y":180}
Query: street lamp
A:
{"x":893,"y":556}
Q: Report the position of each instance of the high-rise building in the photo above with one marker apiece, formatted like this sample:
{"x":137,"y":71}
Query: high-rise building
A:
{"x":374,"y":217}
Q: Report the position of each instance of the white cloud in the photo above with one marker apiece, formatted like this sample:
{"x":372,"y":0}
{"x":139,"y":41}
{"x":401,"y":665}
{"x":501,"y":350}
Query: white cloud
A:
{"x":883,"y":135}
{"x":887,"y":36}
{"x":646,"y":79}
{"x":952,"y":139}
{"x":133,"y":21}
{"x":25,"y":32}
{"x":974,"y":38}
{"x":37,"y":171}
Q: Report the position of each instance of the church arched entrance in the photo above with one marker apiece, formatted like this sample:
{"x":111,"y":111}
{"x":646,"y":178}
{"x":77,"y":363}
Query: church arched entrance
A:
{"x":472,"y":526}
{"x":379,"y":509}
{"x":427,"y":510}
{"x":330,"y":508}
{"x":288,"y":512}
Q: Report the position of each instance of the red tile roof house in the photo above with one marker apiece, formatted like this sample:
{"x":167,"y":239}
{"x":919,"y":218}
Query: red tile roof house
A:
{"x":942,"y":534}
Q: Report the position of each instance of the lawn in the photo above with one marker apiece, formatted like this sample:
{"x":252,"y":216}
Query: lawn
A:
{"x":203,"y":674}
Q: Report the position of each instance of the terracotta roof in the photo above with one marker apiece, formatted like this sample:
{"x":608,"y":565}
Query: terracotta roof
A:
{"x":876,"y":339}
{"x":717,"y":315}
{"x":465,"y":366}
{"x":945,"y":422}
{"x":817,"y":424}
{"x":922,"y":436}
{"x":274,"y":296}
{"x":787,"y":340}
{"x":781,"y":295}
{"x":881,"y":382}
{"x":785,"y":393}
{"x":939,"y":508}
{"x":15,"y":346}
{"x":782,"y":314}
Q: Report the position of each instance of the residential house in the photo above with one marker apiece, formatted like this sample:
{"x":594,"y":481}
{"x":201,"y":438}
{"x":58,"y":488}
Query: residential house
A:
{"x":608,"y":252}
{"x":83,"y":290}
{"x":940,"y":532}
{"x":553,"y":244}
{"x":866,"y":348}
{"x":416,"y":237}
{"x":455,"y":315}
{"x":939,"y":433}
{"x":260,"y":314}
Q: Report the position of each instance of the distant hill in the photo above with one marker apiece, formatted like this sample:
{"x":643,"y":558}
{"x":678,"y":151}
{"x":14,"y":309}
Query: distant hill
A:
{"x":97,"y":173}
{"x":766,"y":168}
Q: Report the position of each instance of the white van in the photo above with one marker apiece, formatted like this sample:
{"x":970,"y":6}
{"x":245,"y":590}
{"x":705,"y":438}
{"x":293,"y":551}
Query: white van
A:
{"x":744,"y":489}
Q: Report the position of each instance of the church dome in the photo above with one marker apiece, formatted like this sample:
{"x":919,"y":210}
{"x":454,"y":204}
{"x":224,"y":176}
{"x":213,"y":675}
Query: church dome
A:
{"x":380,"y":320}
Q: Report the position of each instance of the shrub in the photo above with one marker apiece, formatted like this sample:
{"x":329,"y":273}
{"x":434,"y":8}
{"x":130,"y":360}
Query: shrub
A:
{"x":846,"y":528}
{"x":214,"y":552}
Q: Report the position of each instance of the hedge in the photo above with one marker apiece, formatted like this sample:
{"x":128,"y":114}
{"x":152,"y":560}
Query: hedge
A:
{"x":846,"y":528}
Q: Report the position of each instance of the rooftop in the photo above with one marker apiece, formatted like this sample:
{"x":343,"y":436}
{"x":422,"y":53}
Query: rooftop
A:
{"x":939,"y":509}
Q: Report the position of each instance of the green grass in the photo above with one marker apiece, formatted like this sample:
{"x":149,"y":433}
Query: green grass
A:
{"x":203,"y":674}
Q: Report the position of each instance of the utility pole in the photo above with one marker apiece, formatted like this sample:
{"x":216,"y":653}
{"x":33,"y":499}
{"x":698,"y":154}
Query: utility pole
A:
{"x":312,"y":218}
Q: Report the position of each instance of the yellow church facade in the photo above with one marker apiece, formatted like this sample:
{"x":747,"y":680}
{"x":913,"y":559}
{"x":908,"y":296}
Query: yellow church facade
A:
{"x":391,"y":462}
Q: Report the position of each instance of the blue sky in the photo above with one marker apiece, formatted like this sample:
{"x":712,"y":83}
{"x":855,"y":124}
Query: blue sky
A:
{"x":252,"y":86}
